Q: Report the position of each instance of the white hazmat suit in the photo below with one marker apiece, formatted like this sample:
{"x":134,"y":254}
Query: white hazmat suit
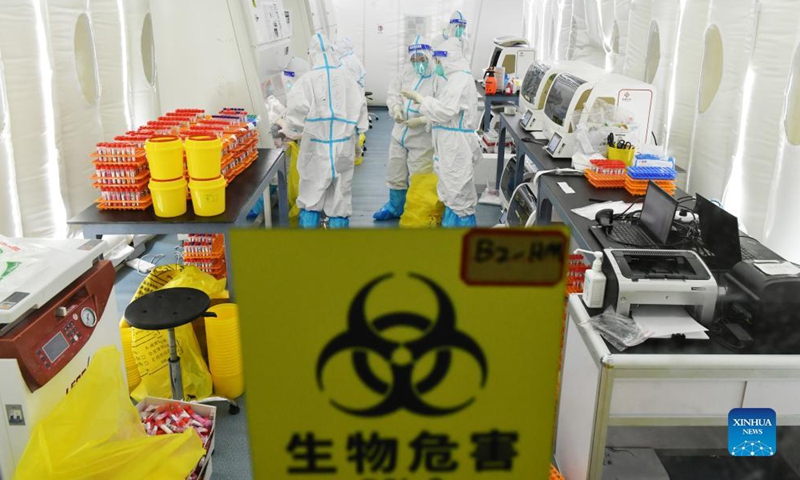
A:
{"x":453,"y":113}
{"x":344,"y":49}
{"x":411,"y":147}
{"x":327,"y":111}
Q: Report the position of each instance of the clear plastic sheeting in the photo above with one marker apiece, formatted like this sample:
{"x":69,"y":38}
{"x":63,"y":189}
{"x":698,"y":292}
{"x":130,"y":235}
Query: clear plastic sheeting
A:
{"x":727,"y":49}
{"x":686,"y":79}
{"x":754,"y":162}
{"x":24,"y":50}
{"x":586,"y":39}
{"x":76,"y":89}
{"x":142,"y":70}
{"x":111,"y":65}
{"x":782,"y":227}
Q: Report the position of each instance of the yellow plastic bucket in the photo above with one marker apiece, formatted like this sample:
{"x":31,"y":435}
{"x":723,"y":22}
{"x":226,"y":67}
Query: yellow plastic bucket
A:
{"x":169,"y":198}
{"x":165,"y":157}
{"x":224,"y":343}
{"x":203,"y":156}
{"x":208,"y":196}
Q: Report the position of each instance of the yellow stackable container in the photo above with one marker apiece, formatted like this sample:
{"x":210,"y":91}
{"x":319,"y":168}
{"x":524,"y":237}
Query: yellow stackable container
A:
{"x":169,"y":198}
{"x":165,"y":157}
{"x":624,"y":154}
{"x":208,"y":196}
{"x":204,"y":156}
{"x":225,"y":350}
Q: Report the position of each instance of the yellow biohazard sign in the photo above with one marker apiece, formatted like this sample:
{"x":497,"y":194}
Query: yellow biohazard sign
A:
{"x":379,"y":355}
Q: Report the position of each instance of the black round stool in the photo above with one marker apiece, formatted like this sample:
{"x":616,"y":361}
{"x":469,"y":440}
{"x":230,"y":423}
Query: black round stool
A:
{"x":167,"y":309}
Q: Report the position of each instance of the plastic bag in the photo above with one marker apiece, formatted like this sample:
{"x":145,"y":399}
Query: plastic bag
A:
{"x":361,"y":140}
{"x":423,"y":208}
{"x":293,"y":182}
{"x":95,"y":433}
{"x":620,"y":331}
{"x":18,"y":264}
{"x":151,"y":348}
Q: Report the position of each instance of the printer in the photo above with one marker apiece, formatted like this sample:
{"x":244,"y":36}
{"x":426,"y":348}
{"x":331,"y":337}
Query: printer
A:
{"x":659,"y":277}
{"x":57,"y":307}
{"x":768,"y":290}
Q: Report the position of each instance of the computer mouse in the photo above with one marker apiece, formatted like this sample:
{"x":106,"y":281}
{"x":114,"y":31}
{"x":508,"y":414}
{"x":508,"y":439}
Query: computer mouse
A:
{"x":605,"y":218}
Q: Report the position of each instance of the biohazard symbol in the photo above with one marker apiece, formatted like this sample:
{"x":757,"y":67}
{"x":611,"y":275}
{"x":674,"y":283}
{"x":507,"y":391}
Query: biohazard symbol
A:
{"x":440,"y":337}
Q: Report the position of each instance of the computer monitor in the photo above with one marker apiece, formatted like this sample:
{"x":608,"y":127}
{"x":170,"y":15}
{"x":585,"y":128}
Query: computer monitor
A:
{"x":658,"y":213}
{"x":719,"y":231}
{"x":555,"y":141}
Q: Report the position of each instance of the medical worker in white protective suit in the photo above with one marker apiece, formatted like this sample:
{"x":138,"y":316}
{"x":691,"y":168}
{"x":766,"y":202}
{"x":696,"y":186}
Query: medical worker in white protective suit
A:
{"x":344,"y":50}
{"x":326,"y":110}
{"x":456,"y":28}
{"x":453,"y":114}
{"x":411,"y":148}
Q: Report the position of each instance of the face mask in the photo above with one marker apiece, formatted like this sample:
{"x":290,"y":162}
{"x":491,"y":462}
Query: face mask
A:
{"x":459,"y":31}
{"x":440,"y":70}
{"x":420,"y":67}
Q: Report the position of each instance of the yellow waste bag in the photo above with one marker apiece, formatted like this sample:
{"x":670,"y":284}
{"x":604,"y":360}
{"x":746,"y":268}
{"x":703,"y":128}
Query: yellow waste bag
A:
{"x":293,"y":182}
{"x":151,"y":348}
{"x":361,"y":139}
{"x":94,"y":433}
{"x":423,"y":208}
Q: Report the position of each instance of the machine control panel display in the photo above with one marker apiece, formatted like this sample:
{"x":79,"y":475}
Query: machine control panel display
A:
{"x":55,"y":347}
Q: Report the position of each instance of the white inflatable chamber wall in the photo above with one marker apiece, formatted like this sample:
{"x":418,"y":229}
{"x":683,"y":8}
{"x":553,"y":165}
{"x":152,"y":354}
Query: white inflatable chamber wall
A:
{"x":77,"y":98}
{"x":619,"y":33}
{"x":10,"y":217}
{"x":754,"y":163}
{"x":727,"y":48}
{"x":782,"y":227}
{"x":26,"y":61}
{"x":142,"y":71}
{"x":639,"y":18}
{"x":109,"y":32}
{"x":659,"y":59}
{"x":585,"y":41}
{"x":686,"y":79}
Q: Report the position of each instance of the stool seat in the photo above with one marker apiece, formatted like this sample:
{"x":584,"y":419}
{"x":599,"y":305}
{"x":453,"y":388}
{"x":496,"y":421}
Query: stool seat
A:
{"x":167,"y":308}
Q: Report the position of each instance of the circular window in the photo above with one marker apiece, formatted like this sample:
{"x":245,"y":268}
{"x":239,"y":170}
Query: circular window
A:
{"x":653,"y":53}
{"x":85,"y":60}
{"x":791,"y":123}
{"x":148,"y":51}
{"x":711,"y":71}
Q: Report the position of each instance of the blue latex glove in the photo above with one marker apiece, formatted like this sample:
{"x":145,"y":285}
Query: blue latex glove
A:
{"x":394,"y":208}
{"x":339,"y":222}
{"x":308,"y":219}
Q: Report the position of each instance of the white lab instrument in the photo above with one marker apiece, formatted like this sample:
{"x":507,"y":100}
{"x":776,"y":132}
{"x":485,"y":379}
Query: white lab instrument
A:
{"x":239,"y":50}
{"x":571,"y":95}
{"x":536,"y":86}
{"x":513,"y":54}
{"x":507,"y":178}
{"x":57,"y":313}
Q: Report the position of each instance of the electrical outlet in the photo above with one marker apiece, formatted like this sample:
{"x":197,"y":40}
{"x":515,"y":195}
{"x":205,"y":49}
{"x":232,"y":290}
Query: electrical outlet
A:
{"x":14,"y":415}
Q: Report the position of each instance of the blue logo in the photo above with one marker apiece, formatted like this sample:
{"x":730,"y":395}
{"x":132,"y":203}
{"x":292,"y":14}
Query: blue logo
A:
{"x":751,"y":432}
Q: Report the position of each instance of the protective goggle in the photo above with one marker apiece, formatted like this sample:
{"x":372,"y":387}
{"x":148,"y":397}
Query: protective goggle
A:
{"x":440,"y":54}
{"x":419,"y":47}
{"x":289,"y":73}
{"x":458,"y":21}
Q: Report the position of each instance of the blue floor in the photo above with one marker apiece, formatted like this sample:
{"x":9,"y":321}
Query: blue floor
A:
{"x":231,"y":459}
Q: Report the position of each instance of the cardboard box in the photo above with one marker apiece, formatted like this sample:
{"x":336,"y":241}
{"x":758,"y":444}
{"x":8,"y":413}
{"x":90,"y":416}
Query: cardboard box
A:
{"x":204,"y":468}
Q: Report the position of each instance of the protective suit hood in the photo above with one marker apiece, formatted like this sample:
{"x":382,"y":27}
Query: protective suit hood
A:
{"x":421,"y":46}
{"x":320,"y":52}
{"x":454,"y":61}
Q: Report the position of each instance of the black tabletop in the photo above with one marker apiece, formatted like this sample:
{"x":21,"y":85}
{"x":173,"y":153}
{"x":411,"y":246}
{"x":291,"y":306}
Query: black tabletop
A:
{"x":167,"y":308}
{"x":241,"y":192}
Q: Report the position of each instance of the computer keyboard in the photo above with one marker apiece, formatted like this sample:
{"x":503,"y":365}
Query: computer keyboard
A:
{"x":748,"y":255}
{"x":630,"y":235}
